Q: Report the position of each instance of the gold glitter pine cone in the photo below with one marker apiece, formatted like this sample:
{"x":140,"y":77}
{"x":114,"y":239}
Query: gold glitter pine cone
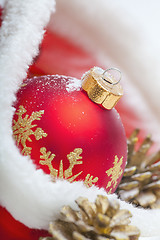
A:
{"x":141,"y":180}
{"x":102,"y":220}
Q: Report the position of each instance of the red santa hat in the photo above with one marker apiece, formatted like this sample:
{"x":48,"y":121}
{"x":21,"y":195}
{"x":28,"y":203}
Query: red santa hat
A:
{"x":108,"y":32}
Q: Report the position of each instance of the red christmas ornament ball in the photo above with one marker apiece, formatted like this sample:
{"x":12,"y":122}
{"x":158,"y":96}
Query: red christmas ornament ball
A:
{"x":67,"y":135}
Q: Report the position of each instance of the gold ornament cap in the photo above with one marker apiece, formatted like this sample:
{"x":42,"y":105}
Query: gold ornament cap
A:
{"x":102,"y":87}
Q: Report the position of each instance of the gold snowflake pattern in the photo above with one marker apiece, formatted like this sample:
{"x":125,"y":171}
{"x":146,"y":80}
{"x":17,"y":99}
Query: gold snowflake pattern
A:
{"x":89,"y":180}
{"x":73,"y":158}
{"x":115,"y":172}
{"x":23,"y":128}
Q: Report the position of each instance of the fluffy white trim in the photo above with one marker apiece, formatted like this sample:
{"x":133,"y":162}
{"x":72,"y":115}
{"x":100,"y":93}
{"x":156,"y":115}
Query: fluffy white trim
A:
{"x":27,"y":193}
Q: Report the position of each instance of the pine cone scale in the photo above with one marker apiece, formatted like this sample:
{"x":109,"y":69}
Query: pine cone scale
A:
{"x":128,"y":195}
{"x":156,"y":204}
{"x":70,"y":215}
{"x":142,"y":176}
{"x":102,"y":204}
{"x":149,"y":160}
{"x":153,"y":185}
{"x":129,"y":171}
{"x":78,"y":236}
{"x":136,"y":159}
{"x":88,"y":208}
{"x":120,"y":217}
{"x":128,"y":185}
{"x":146,"y":198}
{"x":154,"y":167}
{"x":130,"y":231}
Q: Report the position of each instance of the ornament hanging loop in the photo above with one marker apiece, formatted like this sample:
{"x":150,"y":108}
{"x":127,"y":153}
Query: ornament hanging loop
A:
{"x":102,"y":88}
{"x":109,"y":78}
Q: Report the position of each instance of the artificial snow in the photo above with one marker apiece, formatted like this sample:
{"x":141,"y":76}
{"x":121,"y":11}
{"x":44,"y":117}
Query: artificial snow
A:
{"x":74,"y":84}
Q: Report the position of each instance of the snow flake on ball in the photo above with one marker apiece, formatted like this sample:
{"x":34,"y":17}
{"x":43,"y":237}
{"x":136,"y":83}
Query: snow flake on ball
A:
{"x":73,"y":158}
{"x":114,"y":173}
{"x":23,"y":128}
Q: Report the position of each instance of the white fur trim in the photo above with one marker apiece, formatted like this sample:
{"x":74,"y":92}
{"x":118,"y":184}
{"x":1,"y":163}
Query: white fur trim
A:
{"x":27,"y":193}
